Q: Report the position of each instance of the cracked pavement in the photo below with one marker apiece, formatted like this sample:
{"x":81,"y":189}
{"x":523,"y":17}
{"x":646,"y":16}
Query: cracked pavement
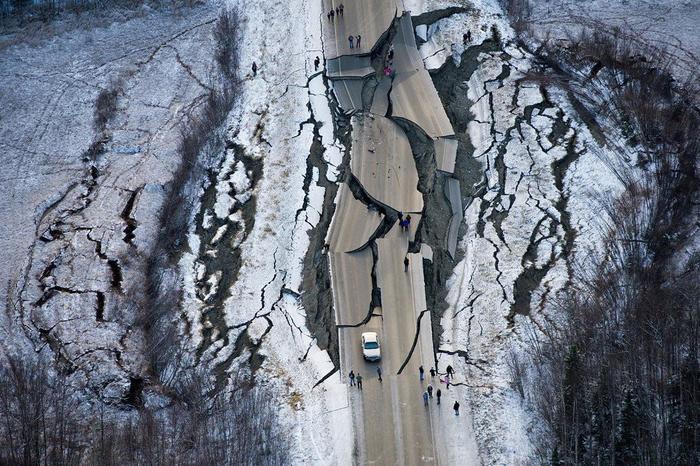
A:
{"x":372,"y":289}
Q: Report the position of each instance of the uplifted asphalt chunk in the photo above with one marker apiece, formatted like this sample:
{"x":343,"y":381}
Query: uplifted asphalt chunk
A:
{"x":452,"y":193}
{"x":351,"y":277}
{"x":380,"y":102}
{"x":353,"y":223}
{"x":446,"y":154}
{"x":382,"y":162}
{"x":349,"y":94}
{"x":349,"y":67}
{"x":413,"y":96}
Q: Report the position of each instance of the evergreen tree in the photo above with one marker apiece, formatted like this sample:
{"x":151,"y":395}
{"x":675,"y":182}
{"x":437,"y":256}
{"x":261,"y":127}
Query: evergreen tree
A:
{"x":571,"y":388}
{"x":555,"y":457}
{"x":629,"y":432}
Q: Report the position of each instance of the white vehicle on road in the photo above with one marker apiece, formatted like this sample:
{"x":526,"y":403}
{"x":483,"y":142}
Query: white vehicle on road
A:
{"x":370,"y":346}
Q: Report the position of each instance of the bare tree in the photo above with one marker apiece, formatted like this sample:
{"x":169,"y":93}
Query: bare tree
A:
{"x":617,"y":381}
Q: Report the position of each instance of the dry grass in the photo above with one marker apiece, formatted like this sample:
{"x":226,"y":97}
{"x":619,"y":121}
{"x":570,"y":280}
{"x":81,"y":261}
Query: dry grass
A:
{"x":200,"y":141}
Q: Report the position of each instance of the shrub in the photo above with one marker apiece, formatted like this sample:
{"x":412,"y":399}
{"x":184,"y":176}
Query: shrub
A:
{"x":620,"y":378}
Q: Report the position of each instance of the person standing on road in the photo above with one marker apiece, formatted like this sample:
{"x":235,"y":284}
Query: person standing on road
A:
{"x":405,"y":264}
{"x":408,"y":222}
{"x":359,"y":38}
{"x":421,"y":373}
{"x":317,"y":61}
{"x":432,"y":372}
{"x":359,"y":381}
{"x":341,"y":7}
{"x":350,"y":39}
{"x":351,"y":376}
{"x":446,"y":381}
{"x":430,"y":391}
{"x":328,"y":16}
{"x":456,"y":408}
{"x":450,"y":372}
{"x":255,"y":69}
{"x":438,"y":394}
{"x":379,"y":373}
{"x":425,"y":398}
{"x":332,"y":15}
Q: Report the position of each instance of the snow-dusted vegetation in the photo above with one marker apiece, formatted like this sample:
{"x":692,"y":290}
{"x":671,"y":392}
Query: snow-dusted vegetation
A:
{"x":166,"y":293}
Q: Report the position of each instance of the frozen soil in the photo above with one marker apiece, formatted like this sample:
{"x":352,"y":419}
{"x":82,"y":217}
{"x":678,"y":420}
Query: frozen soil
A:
{"x":80,"y":200}
{"x":80,"y":205}
{"x":530,"y":169}
{"x":669,"y":25}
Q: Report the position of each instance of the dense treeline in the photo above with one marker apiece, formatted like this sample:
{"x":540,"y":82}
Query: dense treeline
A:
{"x":618,"y":380}
{"x":44,"y":423}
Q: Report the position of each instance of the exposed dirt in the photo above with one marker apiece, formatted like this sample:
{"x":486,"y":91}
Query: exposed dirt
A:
{"x":225,"y":262}
{"x":450,"y":82}
{"x":317,"y":297}
{"x":433,"y":16}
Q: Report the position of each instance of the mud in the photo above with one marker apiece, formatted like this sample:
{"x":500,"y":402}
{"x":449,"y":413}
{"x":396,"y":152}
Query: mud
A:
{"x":433,"y":16}
{"x":450,"y":82}
{"x":316,"y":296}
{"x":221,"y":257}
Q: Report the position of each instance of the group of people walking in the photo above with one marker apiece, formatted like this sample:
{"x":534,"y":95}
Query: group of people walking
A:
{"x":356,"y":381}
{"x":335,"y":12}
{"x":355,"y":42}
{"x":428,"y":393}
{"x":405,"y":224}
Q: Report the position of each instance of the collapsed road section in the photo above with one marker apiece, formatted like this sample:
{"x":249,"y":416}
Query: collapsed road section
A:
{"x":375,"y":254}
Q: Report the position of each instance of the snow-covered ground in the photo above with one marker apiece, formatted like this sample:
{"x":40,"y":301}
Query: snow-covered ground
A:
{"x":274,"y":124}
{"x":64,"y":230}
{"x":65,"y":238}
{"x":536,"y":215}
{"x":670,"y":25}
